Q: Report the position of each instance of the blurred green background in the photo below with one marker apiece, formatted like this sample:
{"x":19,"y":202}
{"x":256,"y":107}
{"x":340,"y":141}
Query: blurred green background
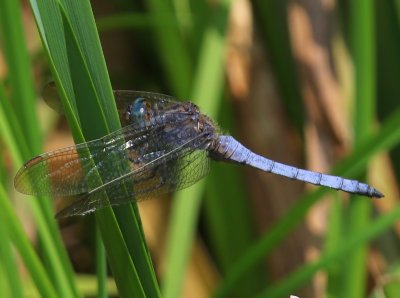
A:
{"x":308,"y":83}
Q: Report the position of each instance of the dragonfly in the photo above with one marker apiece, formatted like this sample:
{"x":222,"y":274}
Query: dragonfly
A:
{"x":164,"y":145}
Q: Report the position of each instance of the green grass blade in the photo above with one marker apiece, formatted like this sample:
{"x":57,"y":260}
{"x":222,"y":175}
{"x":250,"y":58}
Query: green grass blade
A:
{"x":81,"y":19}
{"x":84,"y":88}
{"x":363,"y":52}
{"x":49,"y":21}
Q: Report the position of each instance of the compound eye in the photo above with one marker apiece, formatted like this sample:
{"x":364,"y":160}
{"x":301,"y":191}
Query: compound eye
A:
{"x":139,"y":110}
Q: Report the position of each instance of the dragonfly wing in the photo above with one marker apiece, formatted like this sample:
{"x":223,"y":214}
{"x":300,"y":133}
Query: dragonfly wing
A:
{"x":74,"y":170}
{"x":178,"y":168}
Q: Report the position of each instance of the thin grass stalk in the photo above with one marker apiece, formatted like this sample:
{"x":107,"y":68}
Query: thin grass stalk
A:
{"x":363,"y":52}
{"x":101,"y":266}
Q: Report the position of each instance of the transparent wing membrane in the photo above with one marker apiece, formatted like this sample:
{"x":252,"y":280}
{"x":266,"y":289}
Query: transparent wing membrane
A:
{"x":73,"y":171}
{"x":179,"y":168}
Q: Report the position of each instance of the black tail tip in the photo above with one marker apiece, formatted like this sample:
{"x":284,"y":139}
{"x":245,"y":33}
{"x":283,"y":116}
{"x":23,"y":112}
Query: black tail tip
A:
{"x":377,"y":194}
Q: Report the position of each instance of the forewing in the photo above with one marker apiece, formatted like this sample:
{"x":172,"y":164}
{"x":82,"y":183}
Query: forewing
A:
{"x":73,"y":171}
{"x":174,"y":170}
